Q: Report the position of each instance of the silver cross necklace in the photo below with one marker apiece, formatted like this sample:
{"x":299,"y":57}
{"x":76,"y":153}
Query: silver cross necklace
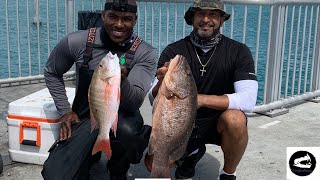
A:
{"x":204,"y":65}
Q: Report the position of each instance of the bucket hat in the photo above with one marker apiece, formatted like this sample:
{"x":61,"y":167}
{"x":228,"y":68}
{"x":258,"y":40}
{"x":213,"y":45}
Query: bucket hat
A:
{"x":205,"y":4}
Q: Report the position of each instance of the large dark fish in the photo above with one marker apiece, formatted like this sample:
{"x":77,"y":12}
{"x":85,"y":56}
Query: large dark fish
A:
{"x":104,"y":99}
{"x":173,"y":116}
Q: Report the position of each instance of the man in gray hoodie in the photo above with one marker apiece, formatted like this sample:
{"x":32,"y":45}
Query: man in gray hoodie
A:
{"x":70,"y":157}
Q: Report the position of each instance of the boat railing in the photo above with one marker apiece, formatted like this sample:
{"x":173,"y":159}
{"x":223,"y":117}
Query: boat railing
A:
{"x":283,"y":36}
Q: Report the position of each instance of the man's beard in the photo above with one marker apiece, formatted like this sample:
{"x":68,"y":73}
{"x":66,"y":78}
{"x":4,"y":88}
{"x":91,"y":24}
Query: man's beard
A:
{"x":207,"y":34}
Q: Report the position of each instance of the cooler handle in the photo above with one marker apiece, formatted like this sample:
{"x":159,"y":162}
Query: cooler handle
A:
{"x":30,"y":142}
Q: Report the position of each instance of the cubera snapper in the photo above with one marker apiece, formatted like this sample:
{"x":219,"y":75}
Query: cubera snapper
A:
{"x":173,"y":117}
{"x":104,"y":99}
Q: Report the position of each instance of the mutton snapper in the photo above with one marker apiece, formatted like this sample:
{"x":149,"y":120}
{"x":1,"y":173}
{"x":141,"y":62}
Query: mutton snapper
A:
{"x":104,"y":99}
{"x":173,"y":117}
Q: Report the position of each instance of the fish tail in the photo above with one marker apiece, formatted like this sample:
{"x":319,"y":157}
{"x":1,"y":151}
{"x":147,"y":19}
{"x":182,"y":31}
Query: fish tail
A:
{"x":160,"y":172}
{"x":102,"y":145}
{"x":160,"y":166}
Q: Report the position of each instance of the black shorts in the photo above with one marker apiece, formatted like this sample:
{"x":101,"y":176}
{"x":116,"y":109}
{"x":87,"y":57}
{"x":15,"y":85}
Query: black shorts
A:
{"x":204,"y":132}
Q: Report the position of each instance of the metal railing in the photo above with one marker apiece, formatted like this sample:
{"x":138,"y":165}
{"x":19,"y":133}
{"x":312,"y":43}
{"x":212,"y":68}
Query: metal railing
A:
{"x":283,"y":35}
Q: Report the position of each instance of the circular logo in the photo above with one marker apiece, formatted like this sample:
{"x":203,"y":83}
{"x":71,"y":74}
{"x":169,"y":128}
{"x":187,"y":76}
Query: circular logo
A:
{"x":302,"y":163}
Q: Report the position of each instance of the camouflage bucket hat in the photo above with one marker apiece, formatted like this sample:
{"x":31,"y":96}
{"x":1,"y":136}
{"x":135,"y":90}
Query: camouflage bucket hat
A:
{"x":205,"y":4}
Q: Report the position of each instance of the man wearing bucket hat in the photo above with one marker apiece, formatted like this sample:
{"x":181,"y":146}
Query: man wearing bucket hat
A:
{"x":225,"y":77}
{"x":71,"y":156}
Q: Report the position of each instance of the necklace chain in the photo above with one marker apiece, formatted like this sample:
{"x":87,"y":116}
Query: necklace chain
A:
{"x":204,"y":65}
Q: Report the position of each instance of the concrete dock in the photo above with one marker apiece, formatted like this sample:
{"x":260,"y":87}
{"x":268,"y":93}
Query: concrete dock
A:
{"x":265,"y":156}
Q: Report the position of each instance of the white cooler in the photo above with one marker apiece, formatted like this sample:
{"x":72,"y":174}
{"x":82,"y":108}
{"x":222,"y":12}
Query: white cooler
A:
{"x":33,"y":126}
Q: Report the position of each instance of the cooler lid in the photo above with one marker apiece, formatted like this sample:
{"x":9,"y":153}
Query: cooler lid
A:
{"x":38,"y":105}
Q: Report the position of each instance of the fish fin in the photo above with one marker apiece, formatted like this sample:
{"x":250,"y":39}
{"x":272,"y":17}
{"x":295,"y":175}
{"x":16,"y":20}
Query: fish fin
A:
{"x":93,"y":122}
{"x":148,"y":160}
{"x":102,"y":145}
{"x":118,"y":95}
{"x":172,"y":163}
{"x":115,"y":126}
{"x":115,"y":123}
{"x":178,"y":153}
{"x":165,"y":91}
{"x":150,"y":146}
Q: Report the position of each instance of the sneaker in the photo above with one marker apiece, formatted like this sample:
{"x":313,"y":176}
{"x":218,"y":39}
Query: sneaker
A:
{"x":227,"y":177}
{"x":187,"y":169}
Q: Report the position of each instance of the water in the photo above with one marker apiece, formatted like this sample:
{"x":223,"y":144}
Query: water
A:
{"x":33,"y":63}
{"x":38,"y":54}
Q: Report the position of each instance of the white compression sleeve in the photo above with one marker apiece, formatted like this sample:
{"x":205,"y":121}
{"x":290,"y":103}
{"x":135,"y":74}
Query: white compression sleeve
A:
{"x":245,"y":96}
{"x":149,"y":94}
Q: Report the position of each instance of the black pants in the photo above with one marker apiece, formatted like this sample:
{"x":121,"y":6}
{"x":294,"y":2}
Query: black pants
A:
{"x":72,"y":159}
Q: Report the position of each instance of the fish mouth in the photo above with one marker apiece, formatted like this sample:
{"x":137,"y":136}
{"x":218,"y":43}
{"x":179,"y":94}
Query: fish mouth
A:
{"x":174,"y":66}
{"x":175,"y":62}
